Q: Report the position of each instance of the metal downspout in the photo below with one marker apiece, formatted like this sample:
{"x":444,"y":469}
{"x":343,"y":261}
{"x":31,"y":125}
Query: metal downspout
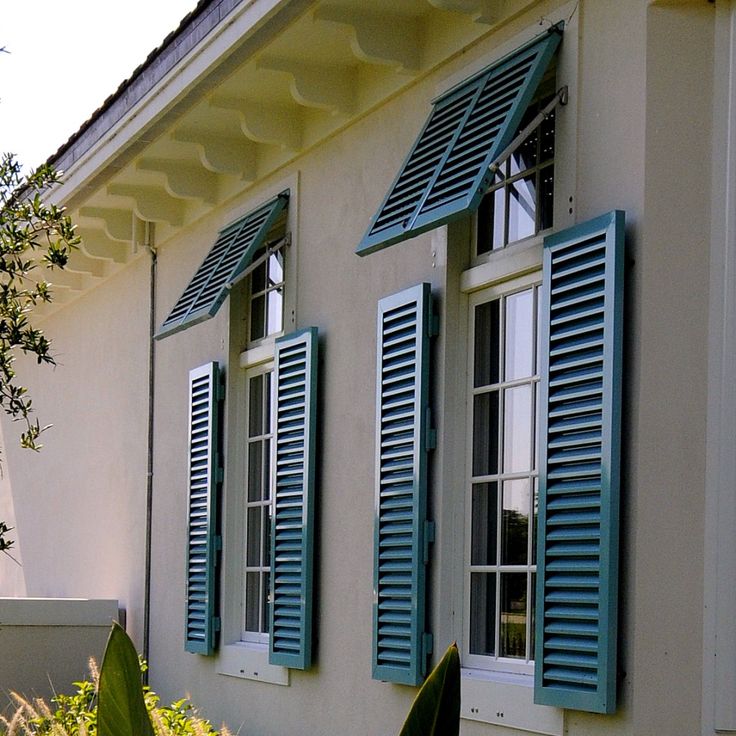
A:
{"x":149,"y":240}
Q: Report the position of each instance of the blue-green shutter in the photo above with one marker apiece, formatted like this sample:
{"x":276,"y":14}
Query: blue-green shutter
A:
{"x":203,"y":541}
{"x":229,"y":256}
{"x":292,"y":522}
{"x":401,"y":644}
{"x":580,"y":425}
{"x":447,"y":171}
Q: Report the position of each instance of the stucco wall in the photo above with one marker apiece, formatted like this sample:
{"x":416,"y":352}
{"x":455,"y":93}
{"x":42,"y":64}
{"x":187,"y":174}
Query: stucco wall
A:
{"x":642,"y":95}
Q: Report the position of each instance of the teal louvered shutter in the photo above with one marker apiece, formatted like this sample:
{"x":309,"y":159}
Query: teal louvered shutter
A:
{"x":203,"y":540}
{"x":447,"y":171}
{"x":292,"y":522}
{"x":580,"y":423}
{"x":229,"y":256}
{"x":402,"y":533}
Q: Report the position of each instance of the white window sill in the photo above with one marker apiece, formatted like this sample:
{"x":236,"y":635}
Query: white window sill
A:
{"x":507,"y":699}
{"x":250,"y":662}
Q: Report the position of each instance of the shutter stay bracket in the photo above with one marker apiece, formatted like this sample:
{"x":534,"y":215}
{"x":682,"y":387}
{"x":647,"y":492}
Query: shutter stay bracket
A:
{"x":560,"y":98}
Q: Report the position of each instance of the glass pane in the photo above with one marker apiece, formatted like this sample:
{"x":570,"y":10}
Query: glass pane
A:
{"x":257,"y":317}
{"x":255,"y":470}
{"x":267,"y":402}
{"x":515,"y":522}
{"x":532,"y":614}
{"x":484,"y":522}
{"x":275,"y":269}
{"x":522,"y":208}
{"x":490,"y":220}
{"x":487,"y":343}
{"x":253,"y":537}
{"x":266,"y":470}
{"x":513,"y":615}
{"x":255,"y":406}
{"x":546,"y":197}
{"x":252,"y":600}
{"x":275,"y":311}
{"x":525,"y":156}
{"x":485,"y":434}
{"x":517,"y":429}
{"x":266,"y":602}
{"x":258,"y":277}
{"x":539,"y":330}
{"x":482,"y":613}
{"x":266,"y":535}
{"x":547,"y":132}
{"x":519,"y":335}
{"x":535,"y":520}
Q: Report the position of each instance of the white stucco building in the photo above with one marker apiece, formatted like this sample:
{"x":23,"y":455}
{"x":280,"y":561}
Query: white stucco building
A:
{"x":395,"y":324}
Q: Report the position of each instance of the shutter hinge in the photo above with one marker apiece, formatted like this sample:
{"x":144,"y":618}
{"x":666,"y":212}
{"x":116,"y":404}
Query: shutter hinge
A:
{"x":430,"y":434}
{"x":219,"y":474}
{"x":217,"y":542}
{"x":427,"y":645}
{"x":429,"y":530}
{"x":216,"y":624}
{"x":287,"y":240}
{"x":221,"y":388}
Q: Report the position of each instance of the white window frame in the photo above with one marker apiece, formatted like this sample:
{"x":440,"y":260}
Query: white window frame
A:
{"x":477,"y":661}
{"x":238,"y":655}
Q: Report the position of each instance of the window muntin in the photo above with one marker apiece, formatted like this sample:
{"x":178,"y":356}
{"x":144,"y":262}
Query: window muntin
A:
{"x":267,"y":296}
{"x":502,"y":483}
{"x":257,"y":505}
{"x":520,"y":201}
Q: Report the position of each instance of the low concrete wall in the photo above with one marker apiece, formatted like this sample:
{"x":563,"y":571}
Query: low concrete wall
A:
{"x":45,"y":643}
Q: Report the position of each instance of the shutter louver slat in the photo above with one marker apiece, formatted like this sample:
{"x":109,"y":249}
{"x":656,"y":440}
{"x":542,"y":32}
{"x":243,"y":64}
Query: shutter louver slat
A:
{"x":577,"y":577}
{"x":203,"y":542}
{"x":229,"y":256}
{"x":292,"y":525}
{"x":401,"y":486}
{"x":448,"y":169}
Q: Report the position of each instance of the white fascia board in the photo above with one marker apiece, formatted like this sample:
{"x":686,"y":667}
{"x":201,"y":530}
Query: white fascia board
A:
{"x":233,"y":30}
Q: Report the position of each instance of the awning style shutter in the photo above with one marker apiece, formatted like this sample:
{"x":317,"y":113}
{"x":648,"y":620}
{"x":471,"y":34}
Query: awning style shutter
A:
{"x":292,"y":522}
{"x":580,"y":425}
{"x":229,"y":256}
{"x":203,"y":541}
{"x":402,"y":533}
{"x":447,"y":171}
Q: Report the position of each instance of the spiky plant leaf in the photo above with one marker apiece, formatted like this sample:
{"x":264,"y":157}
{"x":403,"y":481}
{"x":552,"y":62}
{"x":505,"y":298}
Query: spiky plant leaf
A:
{"x":436,"y":708}
{"x":121,"y":709}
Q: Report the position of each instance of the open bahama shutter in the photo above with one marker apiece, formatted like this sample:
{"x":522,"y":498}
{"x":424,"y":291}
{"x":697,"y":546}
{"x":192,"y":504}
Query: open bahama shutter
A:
{"x":229,"y":256}
{"x":448,"y":171}
{"x":580,"y":417}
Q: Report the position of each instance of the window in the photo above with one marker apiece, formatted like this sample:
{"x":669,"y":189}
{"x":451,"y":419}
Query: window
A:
{"x":503,"y":477}
{"x":266,"y":311}
{"x":519,"y":202}
{"x":257,"y":505}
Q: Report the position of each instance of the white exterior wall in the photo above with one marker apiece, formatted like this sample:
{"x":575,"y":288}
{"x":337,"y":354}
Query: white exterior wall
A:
{"x":635,"y":136}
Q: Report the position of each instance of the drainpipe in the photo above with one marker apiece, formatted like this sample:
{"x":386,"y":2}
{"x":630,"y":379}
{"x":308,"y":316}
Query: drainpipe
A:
{"x":149,"y":243}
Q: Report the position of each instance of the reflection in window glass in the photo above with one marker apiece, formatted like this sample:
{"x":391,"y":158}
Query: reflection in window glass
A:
{"x":266,"y":296}
{"x":257,"y":506}
{"x":519,"y":202}
{"x":502,"y":504}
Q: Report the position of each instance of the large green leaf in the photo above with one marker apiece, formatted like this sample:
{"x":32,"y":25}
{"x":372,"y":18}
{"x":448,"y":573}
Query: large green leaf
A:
{"x":436,"y":708}
{"x":121,"y":710}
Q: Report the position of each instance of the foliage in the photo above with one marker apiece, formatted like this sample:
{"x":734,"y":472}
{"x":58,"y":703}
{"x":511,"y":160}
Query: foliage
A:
{"x":436,"y":708}
{"x":78,"y":714}
{"x":34,"y":236}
